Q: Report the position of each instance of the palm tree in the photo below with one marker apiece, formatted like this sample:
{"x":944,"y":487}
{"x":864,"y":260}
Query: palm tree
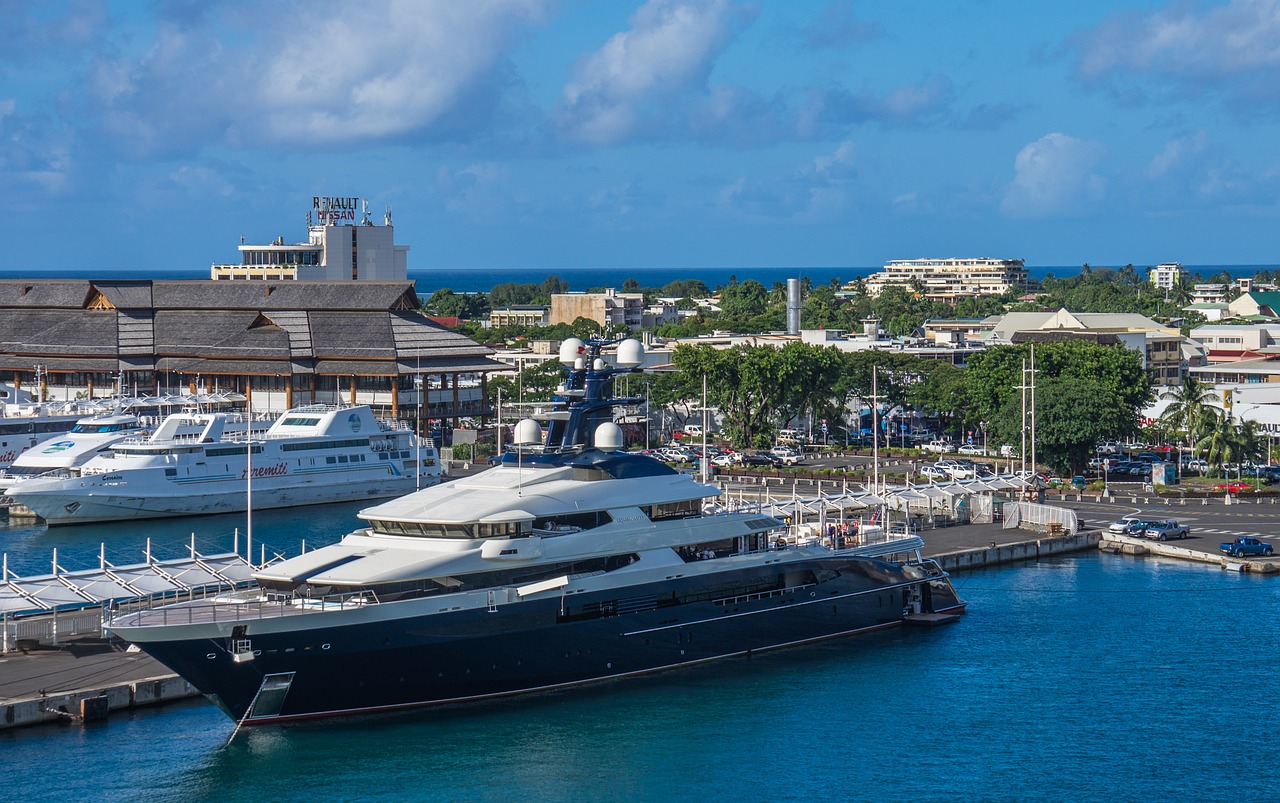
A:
{"x":1223,"y":444}
{"x":1191,"y":409}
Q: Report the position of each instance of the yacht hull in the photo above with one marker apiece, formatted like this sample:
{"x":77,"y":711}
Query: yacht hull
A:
{"x":446,"y":657}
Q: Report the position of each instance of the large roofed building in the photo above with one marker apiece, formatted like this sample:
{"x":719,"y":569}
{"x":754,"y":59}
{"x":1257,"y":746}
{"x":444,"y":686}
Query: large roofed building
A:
{"x":281,"y":343}
{"x":949,"y":280}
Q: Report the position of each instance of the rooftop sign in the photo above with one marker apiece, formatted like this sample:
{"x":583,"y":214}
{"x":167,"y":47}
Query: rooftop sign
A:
{"x":333,"y":210}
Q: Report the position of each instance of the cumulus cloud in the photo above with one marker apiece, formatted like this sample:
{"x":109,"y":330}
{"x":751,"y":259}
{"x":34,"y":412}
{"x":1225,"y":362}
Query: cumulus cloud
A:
{"x":1054,"y":177}
{"x":398,"y":69}
{"x":624,"y":87}
{"x":1231,"y":50}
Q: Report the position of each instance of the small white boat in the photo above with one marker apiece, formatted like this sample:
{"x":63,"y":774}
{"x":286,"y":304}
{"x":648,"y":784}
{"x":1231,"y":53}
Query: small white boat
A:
{"x":194,"y":465}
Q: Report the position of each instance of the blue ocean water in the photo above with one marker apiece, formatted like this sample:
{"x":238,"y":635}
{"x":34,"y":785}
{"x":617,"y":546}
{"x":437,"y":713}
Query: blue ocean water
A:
{"x":1082,"y":677}
{"x":470,"y":280}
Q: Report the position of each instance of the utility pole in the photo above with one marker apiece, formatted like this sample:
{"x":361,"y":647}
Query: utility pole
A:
{"x":875,"y":431}
{"x":1033,"y":407}
{"x":1023,"y":387}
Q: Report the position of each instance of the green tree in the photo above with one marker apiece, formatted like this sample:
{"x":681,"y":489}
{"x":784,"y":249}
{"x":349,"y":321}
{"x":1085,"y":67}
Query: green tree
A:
{"x":1072,"y":415}
{"x":1223,"y":444}
{"x":1191,"y":409}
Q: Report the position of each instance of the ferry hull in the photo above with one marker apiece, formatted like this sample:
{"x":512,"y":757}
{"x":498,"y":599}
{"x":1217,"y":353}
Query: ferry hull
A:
{"x":530,"y":646}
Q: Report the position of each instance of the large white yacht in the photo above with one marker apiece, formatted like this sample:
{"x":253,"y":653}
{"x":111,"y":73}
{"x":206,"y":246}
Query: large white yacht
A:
{"x":198,"y":464}
{"x":570,"y":562}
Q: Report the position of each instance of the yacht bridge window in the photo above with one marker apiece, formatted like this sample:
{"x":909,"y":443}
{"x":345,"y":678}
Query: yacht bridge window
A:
{"x":684,"y":509}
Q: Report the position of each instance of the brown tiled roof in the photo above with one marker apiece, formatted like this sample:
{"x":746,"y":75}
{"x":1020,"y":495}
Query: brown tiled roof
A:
{"x":245,"y":327}
{"x":44,"y":293}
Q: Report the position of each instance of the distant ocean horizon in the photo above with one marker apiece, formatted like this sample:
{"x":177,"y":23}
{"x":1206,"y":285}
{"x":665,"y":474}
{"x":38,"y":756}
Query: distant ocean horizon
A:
{"x":471,"y":280}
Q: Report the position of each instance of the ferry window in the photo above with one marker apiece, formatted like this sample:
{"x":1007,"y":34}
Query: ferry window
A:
{"x":342,"y":458}
{"x":296,"y":421}
{"x":331,"y":459}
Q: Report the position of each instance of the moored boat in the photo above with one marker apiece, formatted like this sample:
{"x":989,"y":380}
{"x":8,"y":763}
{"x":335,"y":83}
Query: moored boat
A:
{"x":205,"y":463}
{"x":570,"y":562}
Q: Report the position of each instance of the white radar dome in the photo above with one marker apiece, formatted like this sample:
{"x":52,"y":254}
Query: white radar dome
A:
{"x":579,"y":364}
{"x":608,"y":437}
{"x":630,"y":353}
{"x":598,"y":365}
{"x":570,"y":349}
{"x":528,"y":432}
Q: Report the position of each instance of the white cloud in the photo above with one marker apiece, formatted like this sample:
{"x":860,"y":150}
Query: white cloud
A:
{"x":1231,"y":50}
{"x":335,"y":75}
{"x":1054,"y":177}
{"x":668,"y":52}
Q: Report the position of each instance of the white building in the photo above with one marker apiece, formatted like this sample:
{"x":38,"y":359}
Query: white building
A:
{"x":337,"y":249}
{"x":1167,"y":274}
{"x":949,"y":280}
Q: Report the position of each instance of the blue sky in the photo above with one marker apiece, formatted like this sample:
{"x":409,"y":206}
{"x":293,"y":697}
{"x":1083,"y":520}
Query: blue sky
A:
{"x":149,"y":136}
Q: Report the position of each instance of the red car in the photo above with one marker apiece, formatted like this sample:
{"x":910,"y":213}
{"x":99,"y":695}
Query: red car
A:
{"x":1234,"y":487}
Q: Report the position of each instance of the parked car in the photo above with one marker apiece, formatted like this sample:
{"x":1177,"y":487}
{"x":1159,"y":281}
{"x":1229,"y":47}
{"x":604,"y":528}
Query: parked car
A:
{"x":786,"y":455}
{"x":939,"y":447}
{"x":1110,"y":447}
{"x":956,"y":469}
{"x":972,"y":450}
{"x":1129,"y":526}
{"x":1246,"y":545}
{"x":1164,"y":530}
{"x":1234,"y":487}
{"x":790,"y":436}
{"x":671,"y":455}
{"x":1007,"y":450}
{"x":761,"y":459}
{"x":934,"y":473}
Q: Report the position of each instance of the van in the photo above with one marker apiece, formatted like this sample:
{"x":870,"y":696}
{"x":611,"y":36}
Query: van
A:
{"x":790,"y":436}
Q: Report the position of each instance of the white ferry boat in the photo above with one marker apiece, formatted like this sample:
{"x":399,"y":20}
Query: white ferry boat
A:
{"x":310,"y":455}
{"x":570,"y":562}
{"x":86,"y":439}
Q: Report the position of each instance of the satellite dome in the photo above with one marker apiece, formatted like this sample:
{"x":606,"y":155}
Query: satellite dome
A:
{"x":528,"y":432}
{"x":570,"y":349}
{"x":630,"y":353}
{"x":608,"y":437}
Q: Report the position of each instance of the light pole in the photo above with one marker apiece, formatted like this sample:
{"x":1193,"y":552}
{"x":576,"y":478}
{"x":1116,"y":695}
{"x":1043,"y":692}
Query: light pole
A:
{"x":417,"y":426}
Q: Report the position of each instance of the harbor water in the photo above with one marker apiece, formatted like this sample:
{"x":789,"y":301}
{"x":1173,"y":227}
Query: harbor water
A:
{"x":1082,"y":677}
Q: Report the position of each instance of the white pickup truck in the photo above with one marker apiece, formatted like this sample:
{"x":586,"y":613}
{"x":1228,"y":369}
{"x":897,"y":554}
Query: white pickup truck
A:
{"x":787,"y":455}
{"x":939,"y":447}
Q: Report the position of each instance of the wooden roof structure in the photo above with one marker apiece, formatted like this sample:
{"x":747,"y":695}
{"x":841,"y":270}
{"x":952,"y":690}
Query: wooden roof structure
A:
{"x":228,"y":327}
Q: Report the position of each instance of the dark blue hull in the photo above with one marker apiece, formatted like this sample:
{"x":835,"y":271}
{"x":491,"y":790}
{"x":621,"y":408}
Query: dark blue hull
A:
{"x":539,"y":645}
